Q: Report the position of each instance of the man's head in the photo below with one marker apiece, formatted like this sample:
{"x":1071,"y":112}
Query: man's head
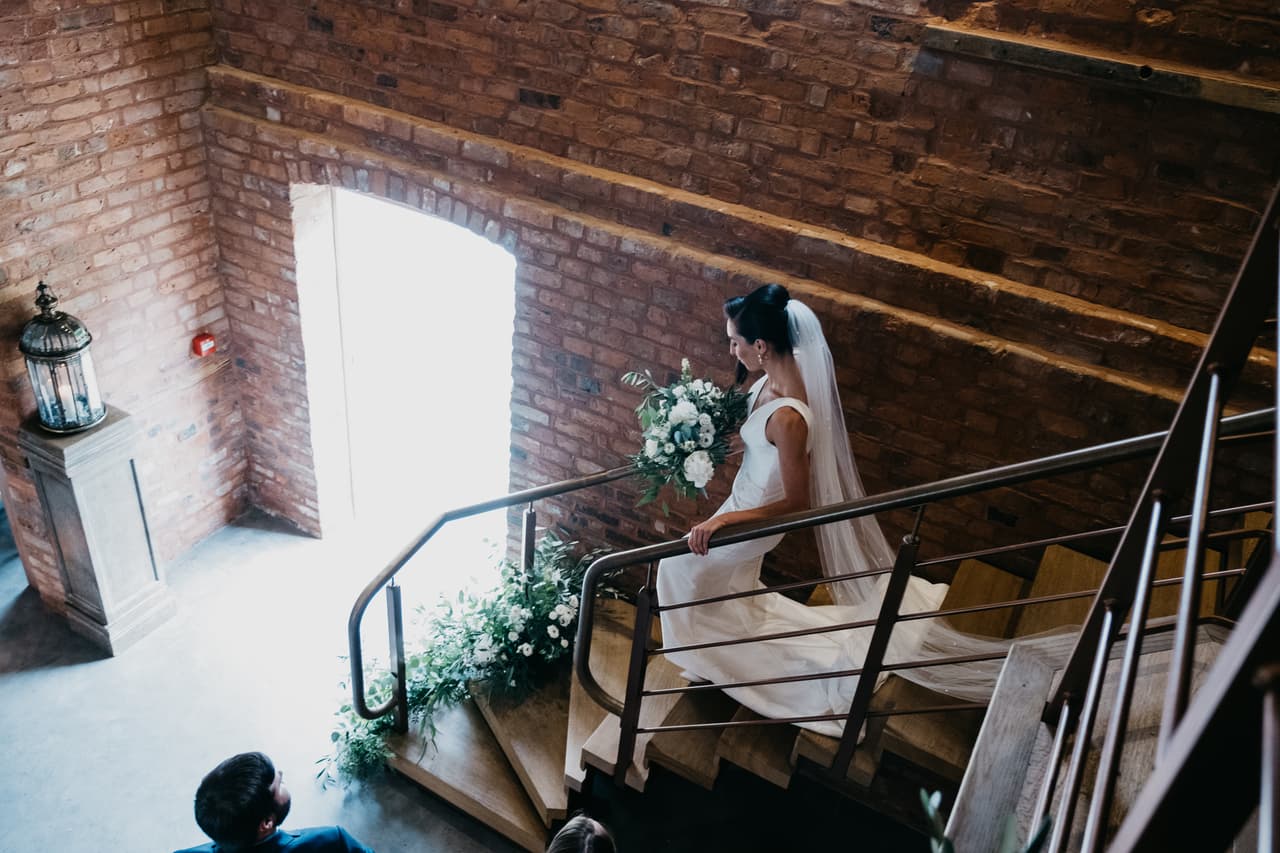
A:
{"x":242,"y":800}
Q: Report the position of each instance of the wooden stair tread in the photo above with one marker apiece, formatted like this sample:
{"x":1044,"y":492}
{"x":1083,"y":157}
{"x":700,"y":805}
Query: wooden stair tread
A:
{"x":611,"y":636}
{"x":465,"y":766}
{"x":938,"y":742}
{"x":763,"y":750}
{"x":977,"y":582}
{"x":610,"y":655}
{"x":693,"y":754}
{"x":821,"y":750}
{"x":532,"y":735}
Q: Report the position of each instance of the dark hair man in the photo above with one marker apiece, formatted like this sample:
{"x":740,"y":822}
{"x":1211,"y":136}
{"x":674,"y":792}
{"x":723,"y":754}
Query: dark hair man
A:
{"x":241,"y":803}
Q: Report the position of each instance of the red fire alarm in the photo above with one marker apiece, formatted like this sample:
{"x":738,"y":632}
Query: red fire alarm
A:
{"x":203,"y":344}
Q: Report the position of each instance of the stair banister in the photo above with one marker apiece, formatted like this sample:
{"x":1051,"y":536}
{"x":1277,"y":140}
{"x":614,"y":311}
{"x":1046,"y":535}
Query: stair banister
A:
{"x":911,"y":496}
{"x":1251,"y":300}
{"x":398,"y":700}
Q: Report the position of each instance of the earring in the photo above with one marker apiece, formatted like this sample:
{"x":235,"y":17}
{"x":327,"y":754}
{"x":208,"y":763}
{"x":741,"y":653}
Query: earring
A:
{"x":759,"y":359}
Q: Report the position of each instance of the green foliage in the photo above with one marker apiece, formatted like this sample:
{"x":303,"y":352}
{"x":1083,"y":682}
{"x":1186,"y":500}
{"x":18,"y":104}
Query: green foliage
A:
{"x":939,"y":843}
{"x":686,"y":430}
{"x":512,"y":637}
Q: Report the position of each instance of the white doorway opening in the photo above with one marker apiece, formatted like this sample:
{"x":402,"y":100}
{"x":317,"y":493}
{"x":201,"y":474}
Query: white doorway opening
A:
{"x":407,"y":323}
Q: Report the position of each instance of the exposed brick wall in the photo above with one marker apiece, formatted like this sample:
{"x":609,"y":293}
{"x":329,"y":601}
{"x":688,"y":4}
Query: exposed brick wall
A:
{"x":828,"y":114}
{"x":104,"y":197}
{"x":926,"y":398}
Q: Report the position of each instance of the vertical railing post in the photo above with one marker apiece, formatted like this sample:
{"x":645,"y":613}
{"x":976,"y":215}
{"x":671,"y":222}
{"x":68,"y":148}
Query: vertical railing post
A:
{"x":395,"y":639}
{"x":1268,"y":679}
{"x":1178,"y":685}
{"x":635,"y":680}
{"x":528,"y":539}
{"x":1065,"y":722}
{"x":1109,"y":762}
{"x":1084,"y":730}
{"x":894,"y":591}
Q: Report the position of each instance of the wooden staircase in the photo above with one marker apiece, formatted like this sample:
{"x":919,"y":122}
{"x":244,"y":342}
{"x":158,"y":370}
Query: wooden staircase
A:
{"x":515,"y":767}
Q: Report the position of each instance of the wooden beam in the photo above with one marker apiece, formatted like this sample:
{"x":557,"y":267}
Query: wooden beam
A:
{"x":1099,"y":66}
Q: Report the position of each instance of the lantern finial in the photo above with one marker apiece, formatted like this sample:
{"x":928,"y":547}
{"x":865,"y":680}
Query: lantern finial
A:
{"x":45,"y":300}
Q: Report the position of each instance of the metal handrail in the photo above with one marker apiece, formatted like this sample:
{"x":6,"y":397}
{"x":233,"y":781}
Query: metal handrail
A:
{"x":406,"y":554}
{"x":912,"y":496}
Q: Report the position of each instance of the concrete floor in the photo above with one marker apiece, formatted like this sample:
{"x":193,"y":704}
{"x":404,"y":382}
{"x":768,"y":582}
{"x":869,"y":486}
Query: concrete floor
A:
{"x":105,"y":753}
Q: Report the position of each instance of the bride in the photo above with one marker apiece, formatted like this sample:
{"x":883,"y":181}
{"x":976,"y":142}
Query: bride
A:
{"x":796,"y":457}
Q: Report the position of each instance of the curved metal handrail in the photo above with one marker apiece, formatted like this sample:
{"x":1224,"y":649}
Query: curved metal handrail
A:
{"x":371,"y":589}
{"x":912,"y":496}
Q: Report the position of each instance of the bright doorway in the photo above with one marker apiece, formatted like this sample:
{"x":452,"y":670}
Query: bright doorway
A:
{"x":407,"y":323}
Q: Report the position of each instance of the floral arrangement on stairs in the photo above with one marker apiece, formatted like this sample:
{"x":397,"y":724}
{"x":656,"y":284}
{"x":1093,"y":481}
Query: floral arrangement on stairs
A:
{"x":513,"y":637}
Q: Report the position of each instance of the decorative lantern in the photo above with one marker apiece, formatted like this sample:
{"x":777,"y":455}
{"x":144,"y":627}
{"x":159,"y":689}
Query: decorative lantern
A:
{"x":56,"y":346}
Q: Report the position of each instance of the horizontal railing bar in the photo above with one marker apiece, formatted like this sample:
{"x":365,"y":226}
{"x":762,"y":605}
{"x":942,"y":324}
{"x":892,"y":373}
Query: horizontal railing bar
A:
{"x":773,"y":721}
{"x":1072,"y":537}
{"x":813,"y":582}
{"x":927,"y":614}
{"x":928,"y":709}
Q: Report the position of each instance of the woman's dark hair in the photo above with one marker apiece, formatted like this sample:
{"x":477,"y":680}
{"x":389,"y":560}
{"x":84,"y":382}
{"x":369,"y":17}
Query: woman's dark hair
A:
{"x":235,"y":797}
{"x":761,"y":315}
{"x":582,"y":835}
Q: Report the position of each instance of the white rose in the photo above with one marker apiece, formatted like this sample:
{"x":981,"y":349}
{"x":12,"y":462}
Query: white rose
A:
{"x":668,"y":448}
{"x":564,"y":644}
{"x":651,"y":448}
{"x":573,"y":602}
{"x":513,"y":636}
{"x":698,"y":468}
{"x":553,"y":631}
{"x":679,"y":391}
{"x":684,"y":412}
{"x":525,"y":649}
{"x":704,"y":420}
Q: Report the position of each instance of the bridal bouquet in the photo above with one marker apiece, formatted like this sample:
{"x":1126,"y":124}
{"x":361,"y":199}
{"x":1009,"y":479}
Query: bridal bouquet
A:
{"x":686,"y":428}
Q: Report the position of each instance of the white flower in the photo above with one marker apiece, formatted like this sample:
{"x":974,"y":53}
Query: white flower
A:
{"x":680,"y":391}
{"x":573,"y":602}
{"x":684,"y":412}
{"x":668,"y":448}
{"x":684,"y":365}
{"x":651,"y":448}
{"x":704,"y":420}
{"x":483,"y":657}
{"x":688,"y":445}
{"x":553,"y":631}
{"x":698,"y":468}
{"x":565,"y":619}
{"x":513,"y":635}
{"x":525,"y":649}
{"x":564,"y":644}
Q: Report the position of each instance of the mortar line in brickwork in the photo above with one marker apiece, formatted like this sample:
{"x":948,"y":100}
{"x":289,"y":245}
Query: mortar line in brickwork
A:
{"x":977,"y":279}
{"x":362,"y":157}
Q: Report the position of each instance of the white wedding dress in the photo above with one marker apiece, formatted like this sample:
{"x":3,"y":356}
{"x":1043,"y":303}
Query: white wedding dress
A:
{"x":736,"y":568}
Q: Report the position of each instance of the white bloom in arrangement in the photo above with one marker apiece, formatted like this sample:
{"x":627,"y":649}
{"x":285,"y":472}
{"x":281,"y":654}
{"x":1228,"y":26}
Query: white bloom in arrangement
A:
{"x":553,"y":631}
{"x":705,"y":439}
{"x":573,"y":602}
{"x":668,"y":448}
{"x":516,"y":616}
{"x":680,"y":391}
{"x":698,"y":468}
{"x":525,"y":649}
{"x":565,"y":619}
{"x":684,"y":365}
{"x":688,"y":445}
{"x":704,"y":421}
{"x":564,"y":644}
{"x":513,"y":635}
{"x":651,"y":448}
{"x":684,"y":412}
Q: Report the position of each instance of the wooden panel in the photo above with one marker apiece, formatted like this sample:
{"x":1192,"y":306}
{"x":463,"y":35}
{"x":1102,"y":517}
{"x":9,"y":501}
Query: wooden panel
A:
{"x":979,"y":583}
{"x":601,"y":748}
{"x":762,"y":750}
{"x":1061,"y":570}
{"x":821,"y":750}
{"x":532,"y":735}
{"x":610,"y":653}
{"x":465,"y":766}
{"x":997,"y":771}
{"x":940,"y":742}
{"x":692,"y":754}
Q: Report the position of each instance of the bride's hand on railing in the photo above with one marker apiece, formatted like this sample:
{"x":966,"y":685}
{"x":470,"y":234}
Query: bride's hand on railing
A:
{"x":700,"y":534}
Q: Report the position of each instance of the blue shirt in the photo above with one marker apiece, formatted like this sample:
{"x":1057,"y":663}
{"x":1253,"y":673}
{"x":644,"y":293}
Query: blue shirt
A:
{"x":319,"y":839}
